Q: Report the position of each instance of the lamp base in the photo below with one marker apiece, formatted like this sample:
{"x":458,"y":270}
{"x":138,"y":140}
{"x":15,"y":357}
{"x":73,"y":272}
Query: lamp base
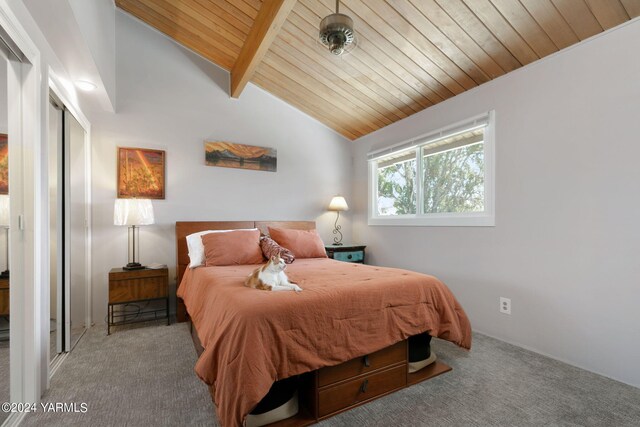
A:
{"x":133,"y":266}
{"x":4,"y":274}
{"x":337,"y":241}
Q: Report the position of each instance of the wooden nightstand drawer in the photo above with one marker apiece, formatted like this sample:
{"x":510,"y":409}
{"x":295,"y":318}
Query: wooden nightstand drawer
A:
{"x":120,"y":274}
{"x":340,"y":396}
{"x":360,"y":365}
{"x":4,"y":297}
{"x":137,"y":285}
{"x":138,"y":289}
{"x":4,"y":302}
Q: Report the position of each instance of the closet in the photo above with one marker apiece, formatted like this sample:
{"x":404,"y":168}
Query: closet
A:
{"x":68,"y":228}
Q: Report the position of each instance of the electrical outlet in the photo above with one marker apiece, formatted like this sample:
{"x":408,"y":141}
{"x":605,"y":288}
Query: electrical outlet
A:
{"x":505,"y":305}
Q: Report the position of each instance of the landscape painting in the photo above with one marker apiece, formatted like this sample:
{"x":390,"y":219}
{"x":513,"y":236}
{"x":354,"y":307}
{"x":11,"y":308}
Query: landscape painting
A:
{"x":4,"y":164}
{"x":140,"y":173}
{"x":230,"y":155}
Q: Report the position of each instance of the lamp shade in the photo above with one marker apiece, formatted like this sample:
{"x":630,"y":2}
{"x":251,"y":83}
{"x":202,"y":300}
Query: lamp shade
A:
{"x":4,"y":211}
{"x":133,"y":212}
{"x":338,"y":203}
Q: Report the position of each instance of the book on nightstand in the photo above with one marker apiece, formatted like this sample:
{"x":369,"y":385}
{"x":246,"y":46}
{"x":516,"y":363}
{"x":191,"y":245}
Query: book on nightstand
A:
{"x":156,"y":266}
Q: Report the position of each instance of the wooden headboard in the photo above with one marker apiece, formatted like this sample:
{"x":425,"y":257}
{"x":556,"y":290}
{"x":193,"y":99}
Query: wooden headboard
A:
{"x":184,"y":228}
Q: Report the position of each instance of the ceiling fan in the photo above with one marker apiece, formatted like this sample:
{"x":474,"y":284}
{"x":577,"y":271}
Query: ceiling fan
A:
{"x":336,"y":32}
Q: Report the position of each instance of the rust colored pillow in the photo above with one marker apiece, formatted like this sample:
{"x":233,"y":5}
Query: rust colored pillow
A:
{"x":303,"y":243}
{"x":237,"y":247}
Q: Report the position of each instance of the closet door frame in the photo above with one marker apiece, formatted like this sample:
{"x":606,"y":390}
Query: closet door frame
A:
{"x":25,"y":177}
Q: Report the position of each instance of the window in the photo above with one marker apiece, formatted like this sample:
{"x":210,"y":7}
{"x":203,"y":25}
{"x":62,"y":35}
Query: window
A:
{"x":443,"y":178}
{"x":396,"y":185}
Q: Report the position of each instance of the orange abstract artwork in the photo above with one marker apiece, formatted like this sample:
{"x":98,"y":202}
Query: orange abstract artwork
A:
{"x":140,"y":173}
{"x":230,"y":155}
{"x":4,"y":164}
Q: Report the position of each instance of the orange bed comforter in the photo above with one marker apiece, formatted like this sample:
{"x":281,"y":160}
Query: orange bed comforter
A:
{"x":252,"y":338}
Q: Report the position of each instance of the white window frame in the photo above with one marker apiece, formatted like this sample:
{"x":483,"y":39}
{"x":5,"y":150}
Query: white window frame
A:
{"x":485,"y":218}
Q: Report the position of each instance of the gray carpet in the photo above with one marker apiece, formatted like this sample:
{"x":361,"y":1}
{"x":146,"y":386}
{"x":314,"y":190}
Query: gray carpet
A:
{"x":4,"y":376}
{"x":498,"y":384}
{"x":135,"y":377}
{"x":144,"y":377}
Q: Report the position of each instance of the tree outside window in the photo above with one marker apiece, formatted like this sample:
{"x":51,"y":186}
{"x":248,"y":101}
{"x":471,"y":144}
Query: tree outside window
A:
{"x":453,"y":178}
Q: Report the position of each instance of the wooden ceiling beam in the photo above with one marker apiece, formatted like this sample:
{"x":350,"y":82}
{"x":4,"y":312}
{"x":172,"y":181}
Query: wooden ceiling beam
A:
{"x":265,"y":28}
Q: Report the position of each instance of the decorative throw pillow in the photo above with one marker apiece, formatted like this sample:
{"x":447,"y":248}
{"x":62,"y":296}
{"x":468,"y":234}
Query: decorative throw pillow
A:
{"x":196,"y":248}
{"x":303,"y":243}
{"x":237,"y":247}
{"x":270,"y":248}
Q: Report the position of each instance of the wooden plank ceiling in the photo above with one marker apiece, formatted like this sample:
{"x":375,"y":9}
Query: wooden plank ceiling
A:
{"x":411,"y":54}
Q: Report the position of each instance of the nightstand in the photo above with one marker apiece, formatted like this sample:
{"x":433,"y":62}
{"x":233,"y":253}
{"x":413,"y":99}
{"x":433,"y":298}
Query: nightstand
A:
{"x":135,"y":287}
{"x":348,"y":253}
{"x":4,"y":296}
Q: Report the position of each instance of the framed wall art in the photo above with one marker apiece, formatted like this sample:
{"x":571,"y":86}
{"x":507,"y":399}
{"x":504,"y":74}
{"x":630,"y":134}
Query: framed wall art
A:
{"x":141,"y":173}
{"x":230,"y":155}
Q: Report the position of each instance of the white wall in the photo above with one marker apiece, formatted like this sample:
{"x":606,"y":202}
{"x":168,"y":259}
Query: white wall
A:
{"x":566,"y":242}
{"x":96,"y":21}
{"x":81,"y":36}
{"x":172,"y":99}
{"x":3,"y":97}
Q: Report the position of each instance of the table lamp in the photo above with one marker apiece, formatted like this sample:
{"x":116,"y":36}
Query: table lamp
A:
{"x":338,"y":204}
{"x":133,"y":212}
{"x":4,"y":222}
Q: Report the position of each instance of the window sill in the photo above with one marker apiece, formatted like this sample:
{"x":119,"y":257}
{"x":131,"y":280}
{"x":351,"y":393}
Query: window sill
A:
{"x":470,"y":220}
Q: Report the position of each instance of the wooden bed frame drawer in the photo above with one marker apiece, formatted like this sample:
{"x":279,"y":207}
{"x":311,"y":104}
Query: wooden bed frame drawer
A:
{"x":361,"y":365}
{"x":344,"y":395}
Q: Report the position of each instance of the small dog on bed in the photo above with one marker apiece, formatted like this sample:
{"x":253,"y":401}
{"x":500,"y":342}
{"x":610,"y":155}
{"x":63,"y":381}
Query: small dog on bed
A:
{"x":271,"y":277}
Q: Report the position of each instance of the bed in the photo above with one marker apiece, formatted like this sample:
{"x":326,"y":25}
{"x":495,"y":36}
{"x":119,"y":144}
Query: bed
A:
{"x":345,"y":339}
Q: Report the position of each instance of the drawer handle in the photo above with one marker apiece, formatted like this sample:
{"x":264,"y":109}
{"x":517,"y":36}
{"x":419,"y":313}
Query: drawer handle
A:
{"x":349,"y":256}
{"x":366,"y":361}
{"x":363,"y":387}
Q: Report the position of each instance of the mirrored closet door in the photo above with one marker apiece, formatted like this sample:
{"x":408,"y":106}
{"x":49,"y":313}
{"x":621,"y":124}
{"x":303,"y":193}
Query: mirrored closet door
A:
{"x":76,"y":232}
{"x":4,"y":238}
{"x":56,"y":112}
{"x":67,"y":229}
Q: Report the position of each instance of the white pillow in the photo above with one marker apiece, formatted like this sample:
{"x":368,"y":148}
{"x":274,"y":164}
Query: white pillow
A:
{"x":196,"y":248}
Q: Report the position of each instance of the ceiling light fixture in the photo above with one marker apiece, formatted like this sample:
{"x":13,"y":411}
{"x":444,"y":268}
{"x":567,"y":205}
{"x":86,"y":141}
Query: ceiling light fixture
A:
{"x":336,"y":31}
{"x":85,"y":85}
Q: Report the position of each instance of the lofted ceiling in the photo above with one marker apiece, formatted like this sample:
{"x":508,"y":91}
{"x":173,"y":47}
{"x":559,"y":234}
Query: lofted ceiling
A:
{"x":411,"y":54}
